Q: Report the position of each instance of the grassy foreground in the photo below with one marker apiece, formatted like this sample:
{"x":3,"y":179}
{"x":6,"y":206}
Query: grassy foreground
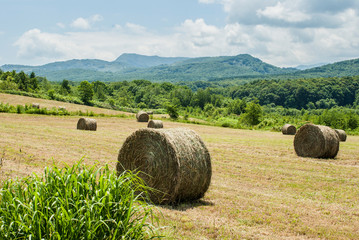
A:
{"x":75,"y":202}
{"x":260,"y":189}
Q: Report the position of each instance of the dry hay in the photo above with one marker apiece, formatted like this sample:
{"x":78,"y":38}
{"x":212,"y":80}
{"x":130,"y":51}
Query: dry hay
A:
{"x":87,"y":124}
{"x":174,"y":161}
{"x":341,"y":134}
{"x":289,"y":129}
{"x":150,"y":112}
{"x":36,"y":105}
{"x":142,"y":116}
{"x":155,"y":124}
{"x":316,"y":141}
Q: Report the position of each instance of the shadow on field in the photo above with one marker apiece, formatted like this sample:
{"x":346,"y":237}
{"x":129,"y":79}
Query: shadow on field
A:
{"x":188,"y":205}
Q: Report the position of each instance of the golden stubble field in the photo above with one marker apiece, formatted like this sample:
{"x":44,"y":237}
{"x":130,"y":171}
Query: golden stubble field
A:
{"x":260,"y":189}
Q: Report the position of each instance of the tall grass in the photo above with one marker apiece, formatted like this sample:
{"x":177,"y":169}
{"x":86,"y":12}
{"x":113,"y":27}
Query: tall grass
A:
{"x":76,"y":202}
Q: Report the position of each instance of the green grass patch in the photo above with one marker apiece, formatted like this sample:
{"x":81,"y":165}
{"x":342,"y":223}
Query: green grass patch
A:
{"x":77,"y":202}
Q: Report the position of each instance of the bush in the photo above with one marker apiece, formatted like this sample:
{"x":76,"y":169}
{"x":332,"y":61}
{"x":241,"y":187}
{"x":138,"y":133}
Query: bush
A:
{"x":252,"y":113}
{"x":172,"y":111}
{"x":75,"y":202}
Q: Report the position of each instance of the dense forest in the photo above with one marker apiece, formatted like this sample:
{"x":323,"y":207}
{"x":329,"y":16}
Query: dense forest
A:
{"x":264,"y":104}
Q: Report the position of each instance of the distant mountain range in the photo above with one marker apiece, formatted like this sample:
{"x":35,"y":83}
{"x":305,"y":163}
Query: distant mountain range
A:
{"x":174,"y":69}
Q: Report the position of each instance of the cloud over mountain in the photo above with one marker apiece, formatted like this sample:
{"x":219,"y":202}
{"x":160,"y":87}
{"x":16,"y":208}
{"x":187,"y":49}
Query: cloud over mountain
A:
{"x":283,"y":33}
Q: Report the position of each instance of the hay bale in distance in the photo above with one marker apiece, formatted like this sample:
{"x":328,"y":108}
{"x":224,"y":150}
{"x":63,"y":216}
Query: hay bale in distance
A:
{"x":174,"y":161}
{"x":36,"y":105}
{"x":87,"y":124}
{"x":289,"y":129}
{"x":150,"y":112}
{"x":316,"y":141}
{"x":142,"y":116}
{"x":155,"y":124}
{"x":341,"y":134}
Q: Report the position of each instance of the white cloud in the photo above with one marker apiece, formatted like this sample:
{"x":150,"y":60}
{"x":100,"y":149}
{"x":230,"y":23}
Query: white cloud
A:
{"x":262,"y":36}
{"x":288,"y":13}
{"x":282,"y":12}
{"x":199,"y":33}
{"x":135,"y":28}
{"x":81,"y":23}
{"x":85,"y":23}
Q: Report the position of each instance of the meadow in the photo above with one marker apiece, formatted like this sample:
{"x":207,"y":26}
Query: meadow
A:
{"x":260,"y":188}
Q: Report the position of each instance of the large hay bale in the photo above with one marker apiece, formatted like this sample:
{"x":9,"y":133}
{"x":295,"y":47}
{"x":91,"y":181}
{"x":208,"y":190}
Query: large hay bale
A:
{"x":155,"y":124}
{"x":341,"y":134}
{"x":36,"y":105}
{"x":174,"y":161}
{"x":289,"y":129}
{"x":316,"y":141}
{"x":142,"y":116}
{"x":87,"y":124}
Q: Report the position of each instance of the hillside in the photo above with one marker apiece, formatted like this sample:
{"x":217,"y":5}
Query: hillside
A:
{"x":141,"y":61}
{"x":154,"y":68}
{"x":239,"y":69}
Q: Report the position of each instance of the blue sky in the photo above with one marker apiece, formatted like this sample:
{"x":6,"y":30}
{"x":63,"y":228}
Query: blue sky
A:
{"x":283,"y":33}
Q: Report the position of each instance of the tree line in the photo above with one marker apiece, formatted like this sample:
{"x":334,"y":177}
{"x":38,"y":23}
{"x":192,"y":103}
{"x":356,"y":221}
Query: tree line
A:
{"x":266,"y":103}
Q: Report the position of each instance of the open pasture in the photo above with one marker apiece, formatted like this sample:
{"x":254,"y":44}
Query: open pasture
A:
{"x":260,"y":189}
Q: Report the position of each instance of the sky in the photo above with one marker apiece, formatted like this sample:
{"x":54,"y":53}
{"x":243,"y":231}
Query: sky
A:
{"x":284,"y":33}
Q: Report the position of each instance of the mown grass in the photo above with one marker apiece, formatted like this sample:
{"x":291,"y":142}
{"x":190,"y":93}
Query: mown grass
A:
{"x":260,"y":188}
{"x":77,"y":202}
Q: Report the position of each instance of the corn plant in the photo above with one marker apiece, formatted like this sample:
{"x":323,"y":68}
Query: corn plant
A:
{"x":76,"y":202}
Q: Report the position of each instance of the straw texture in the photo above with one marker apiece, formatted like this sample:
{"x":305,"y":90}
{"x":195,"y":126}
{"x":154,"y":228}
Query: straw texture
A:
{"x":155,"y":124}
{"x":142,"y":116}
{"x":175,"y":162}
{"x":341,"y":134}
{"x":87,"y":124}
{"x":316,"y":141}
{"x":289,"y":129}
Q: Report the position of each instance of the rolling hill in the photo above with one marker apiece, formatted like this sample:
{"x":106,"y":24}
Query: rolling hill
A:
{"x":154,"y":68}
{"x":179,"y":69}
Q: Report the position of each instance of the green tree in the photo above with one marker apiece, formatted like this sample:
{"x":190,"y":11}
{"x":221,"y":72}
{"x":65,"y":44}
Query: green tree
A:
{"x":172,"y":111}
{"x":65,"y":86}
{"x":253,"y":112}
{"x":100,"y":90}
{"x":32,"y":75}
{"x":86,"y":92}
{"x":237,"y":106}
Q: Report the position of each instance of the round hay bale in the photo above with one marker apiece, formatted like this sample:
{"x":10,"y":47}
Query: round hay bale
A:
{"x":155,"y":124}
{"x":142,"y":116}
{"x":150,"y":112}
{"x":316,"y":141}
{"x":87,"y":124}
{"x":341,"y":134}
{"x":175,"y":162}
{"x":36,"y":105}
{"x":289,"y":129}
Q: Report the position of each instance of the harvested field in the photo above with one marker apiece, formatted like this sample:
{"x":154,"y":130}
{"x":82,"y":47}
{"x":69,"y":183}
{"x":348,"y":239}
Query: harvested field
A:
{"x":260,"y":189}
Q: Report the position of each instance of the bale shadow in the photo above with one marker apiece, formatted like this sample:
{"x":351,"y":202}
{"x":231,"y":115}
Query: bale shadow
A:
{"x":183,"y":206}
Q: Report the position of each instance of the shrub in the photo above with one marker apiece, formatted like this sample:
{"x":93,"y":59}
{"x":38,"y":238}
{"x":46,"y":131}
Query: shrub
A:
{"x":20,"y":109}
{"x":252,"y":114}
{"x":172,"y":111}
{"x":75,"y":202}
